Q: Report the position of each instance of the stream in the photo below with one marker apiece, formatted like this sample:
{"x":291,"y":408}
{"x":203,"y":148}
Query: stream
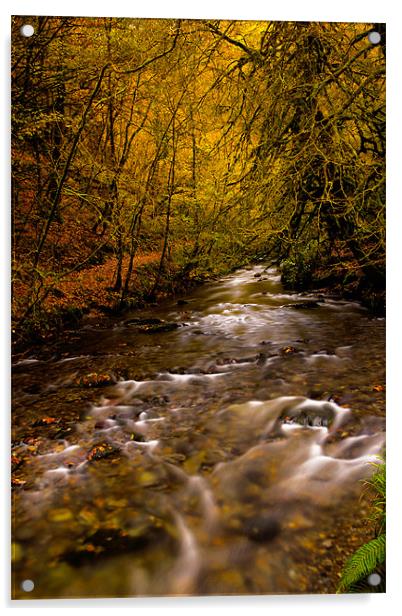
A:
{"x":224,"y":455}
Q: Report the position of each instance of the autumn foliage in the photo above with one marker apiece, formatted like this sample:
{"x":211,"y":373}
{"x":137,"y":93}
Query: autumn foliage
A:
{"x":148,"y":152}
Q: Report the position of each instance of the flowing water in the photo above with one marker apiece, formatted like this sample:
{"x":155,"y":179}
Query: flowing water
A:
{"x":225,"y":459}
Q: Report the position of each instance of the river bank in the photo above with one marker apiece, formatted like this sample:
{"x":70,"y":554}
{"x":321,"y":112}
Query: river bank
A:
{"x":87,"y":297}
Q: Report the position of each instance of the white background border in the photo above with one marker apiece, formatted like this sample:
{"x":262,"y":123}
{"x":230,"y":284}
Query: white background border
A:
{"x":337,"y":10}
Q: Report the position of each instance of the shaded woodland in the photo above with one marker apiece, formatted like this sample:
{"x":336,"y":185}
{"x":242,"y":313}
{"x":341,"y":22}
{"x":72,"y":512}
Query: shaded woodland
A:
{"x":230,"y":439}
{"x":148,"y":155}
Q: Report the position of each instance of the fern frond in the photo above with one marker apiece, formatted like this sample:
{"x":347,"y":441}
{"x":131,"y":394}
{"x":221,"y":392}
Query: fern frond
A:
{"x":364,"y":586}
{"x":363,"y":562}
{"x":378,"y":483}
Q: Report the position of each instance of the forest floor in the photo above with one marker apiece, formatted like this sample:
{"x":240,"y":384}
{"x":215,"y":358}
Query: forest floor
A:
{"x":88,"y":291}
{"x":89,"y":294}
{"x":92,"y":287}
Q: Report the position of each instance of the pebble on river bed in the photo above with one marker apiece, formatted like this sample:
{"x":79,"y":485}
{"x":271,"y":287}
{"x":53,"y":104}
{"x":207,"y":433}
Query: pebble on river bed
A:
{"x":139,"y":438}
{"x":147,"y":479}
{"x":106,"y":542}
{"x":288,"y":350}
{"x":16,"y":462}
{"x":60,"y":515}
{"x":262,"y":528}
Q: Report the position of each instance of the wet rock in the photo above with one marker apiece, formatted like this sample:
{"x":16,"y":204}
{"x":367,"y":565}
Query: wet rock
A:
{"x":304,"y":305}
{"x":16,"y":462}
{"x":138,"y":438}
{"x":106,"y":542}
{"x":101,"y":451}
{"x":140,"y":322}
{"x":147,"y":479}
{"x":60,"y":432}
{"x":246,"y":360}
{"x":258,"y":275}
{"x":159,"y":400}
{"x":314,"y":414}
{"x":161,"y":328}
{"x":327,"y":564}
{"x":289,"y":350}
{"x":323,"y":352}
{"x":178,"y":370}
{"x":88,"y":517}
{"x":255,"y":476}
{"x":182,"y":302}
{"x":319,"y":394}
{"x":152,"y":326}
{"x":318,"y":421}
{"x":33,"y":389}
{"x":95,"y":379}
{"x":101,"y":425}
{"x":262,"y":528}
{"x":192,"y":465}
{"x":237,"y":360}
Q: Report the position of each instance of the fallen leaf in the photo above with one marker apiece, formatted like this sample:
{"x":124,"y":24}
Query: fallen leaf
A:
{"x":17,"y":483}
{"x":45,"y":421}
{"x":103,"y":450}
{"x":289,"y":349}
{"x":15,"y":462}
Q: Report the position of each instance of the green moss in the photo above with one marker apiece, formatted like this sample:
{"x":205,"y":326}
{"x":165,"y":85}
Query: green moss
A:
{"x":299,"y":267}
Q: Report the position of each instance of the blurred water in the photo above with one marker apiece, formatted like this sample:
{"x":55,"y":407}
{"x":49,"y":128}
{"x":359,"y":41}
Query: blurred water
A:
{"x":236,"y":443}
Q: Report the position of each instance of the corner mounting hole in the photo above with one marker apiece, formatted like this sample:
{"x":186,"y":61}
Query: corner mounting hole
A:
{"x":27,"y":30}
{"x":374,"y":579}
{"x":374,"y":37}
{"x":27,"y":585}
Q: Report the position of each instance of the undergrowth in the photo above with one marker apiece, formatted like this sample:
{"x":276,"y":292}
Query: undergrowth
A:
{"x":369,"y":558}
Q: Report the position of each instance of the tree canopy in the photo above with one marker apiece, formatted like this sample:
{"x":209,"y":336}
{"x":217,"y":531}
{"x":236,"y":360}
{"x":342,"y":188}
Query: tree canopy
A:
{"x":205,"y":143}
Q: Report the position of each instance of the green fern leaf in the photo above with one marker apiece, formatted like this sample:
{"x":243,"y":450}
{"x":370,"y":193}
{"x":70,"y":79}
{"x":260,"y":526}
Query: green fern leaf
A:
{"x":364,"y":586}
{"x":363,"y":562}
